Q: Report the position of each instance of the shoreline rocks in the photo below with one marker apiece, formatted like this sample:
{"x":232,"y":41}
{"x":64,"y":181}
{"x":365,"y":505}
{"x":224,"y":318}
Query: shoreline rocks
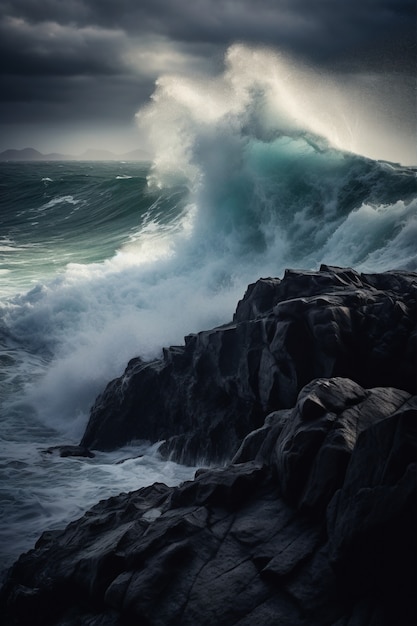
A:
{"x":307,"y":402}
{"x":315,"y":528}
{"x":203,"y":398}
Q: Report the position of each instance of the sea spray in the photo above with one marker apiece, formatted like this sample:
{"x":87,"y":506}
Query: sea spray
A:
{"x":259,"y":148}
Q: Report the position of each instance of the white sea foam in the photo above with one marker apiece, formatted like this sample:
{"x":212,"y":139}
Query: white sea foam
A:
{"x":59,"y":200}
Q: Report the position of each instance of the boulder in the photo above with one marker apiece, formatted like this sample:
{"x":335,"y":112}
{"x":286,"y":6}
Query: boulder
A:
{"x":314,"y":447}
{"x":66,"y":450}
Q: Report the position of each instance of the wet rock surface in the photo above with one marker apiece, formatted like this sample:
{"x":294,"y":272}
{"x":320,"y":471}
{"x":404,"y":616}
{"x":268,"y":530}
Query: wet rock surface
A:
{"x":312,"y":520}
{"x":204,"y":397}
{"x":317,"y":528}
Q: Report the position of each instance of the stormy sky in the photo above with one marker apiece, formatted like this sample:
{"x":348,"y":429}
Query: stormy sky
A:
{"x":74,"y":73}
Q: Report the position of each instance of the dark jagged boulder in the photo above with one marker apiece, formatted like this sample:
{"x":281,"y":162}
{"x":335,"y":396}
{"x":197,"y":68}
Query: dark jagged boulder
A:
{"x":66,"y":450}
{"x":204,"y":397}
{"x":312,"y":525}
{"x":315,"y":445}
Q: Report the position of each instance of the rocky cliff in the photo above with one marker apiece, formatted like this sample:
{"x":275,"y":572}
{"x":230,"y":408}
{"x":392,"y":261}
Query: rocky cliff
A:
{"x":312,"y":521}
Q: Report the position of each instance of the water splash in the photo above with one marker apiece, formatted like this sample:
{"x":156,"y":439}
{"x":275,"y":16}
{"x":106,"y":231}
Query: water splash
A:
{"x":262,"y":94}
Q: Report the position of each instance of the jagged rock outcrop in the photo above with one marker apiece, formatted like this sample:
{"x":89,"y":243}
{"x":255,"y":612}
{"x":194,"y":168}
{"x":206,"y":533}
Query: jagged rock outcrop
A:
{"x":312,"y":525}
{"x":204,"y":397}
{"x":313,"y":522}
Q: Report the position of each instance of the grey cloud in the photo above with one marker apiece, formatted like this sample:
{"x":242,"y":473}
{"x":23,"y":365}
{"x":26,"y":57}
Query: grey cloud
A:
{"x":297,"y":23}
{"x":50,"y":48}
{"x":379,"y":34}
{"x":100,"y":98}
{"x":100,"y":57}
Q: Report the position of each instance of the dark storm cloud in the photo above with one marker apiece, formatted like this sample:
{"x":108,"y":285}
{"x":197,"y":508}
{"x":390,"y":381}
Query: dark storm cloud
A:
{"x":55,"y":50}
{"x":46,"y":48}
{"x":329,"y":31}
{"x":75,"y":99}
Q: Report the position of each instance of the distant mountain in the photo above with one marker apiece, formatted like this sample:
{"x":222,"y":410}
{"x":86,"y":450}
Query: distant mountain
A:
{"x":30,"y":154}
{"x":27,"y":154}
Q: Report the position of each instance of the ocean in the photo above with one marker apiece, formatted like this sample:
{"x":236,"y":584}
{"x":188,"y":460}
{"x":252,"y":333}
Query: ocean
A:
{"x":104,"y":261}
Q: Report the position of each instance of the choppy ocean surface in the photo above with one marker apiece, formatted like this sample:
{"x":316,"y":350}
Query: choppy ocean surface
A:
{"x":104,"y":261}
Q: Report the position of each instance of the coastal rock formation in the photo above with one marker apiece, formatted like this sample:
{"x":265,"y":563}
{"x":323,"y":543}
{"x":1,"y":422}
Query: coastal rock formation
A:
{"x":310,"y":396}
{"x":313,"y":524}
{"x":204,"y":397}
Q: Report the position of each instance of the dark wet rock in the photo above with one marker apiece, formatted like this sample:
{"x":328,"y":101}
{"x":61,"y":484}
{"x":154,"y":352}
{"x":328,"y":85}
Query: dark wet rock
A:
{"x":66,"y":450}
{"x":203,"y":398}
{"x":312,"y":525}
{"x":372,"y":518}
{"x":311,"y":391}
{"x":314,"y":447}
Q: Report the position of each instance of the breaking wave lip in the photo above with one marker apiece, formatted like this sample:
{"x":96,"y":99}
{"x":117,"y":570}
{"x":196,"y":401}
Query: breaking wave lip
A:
{"x":259,"y":94}
{"x":267,"y":157}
